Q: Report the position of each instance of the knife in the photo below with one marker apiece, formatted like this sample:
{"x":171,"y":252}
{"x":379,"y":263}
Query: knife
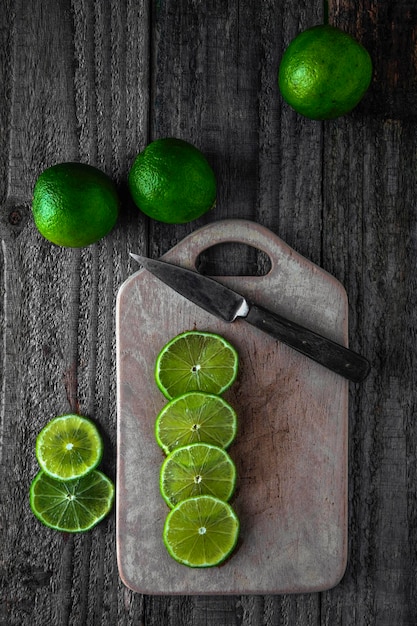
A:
{"x":228,"y":305}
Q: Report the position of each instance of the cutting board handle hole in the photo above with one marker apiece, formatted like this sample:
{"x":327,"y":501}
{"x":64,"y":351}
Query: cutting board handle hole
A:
{"x":233,"y":259}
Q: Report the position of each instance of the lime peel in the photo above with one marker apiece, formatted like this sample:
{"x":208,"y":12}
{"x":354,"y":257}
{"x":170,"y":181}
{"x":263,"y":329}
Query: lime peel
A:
{"x":171,"y":181}
{"x":324,"y":72}
{"x":74,"y":204}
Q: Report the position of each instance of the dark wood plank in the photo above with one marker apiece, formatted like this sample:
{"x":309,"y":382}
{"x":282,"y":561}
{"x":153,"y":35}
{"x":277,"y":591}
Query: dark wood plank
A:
{"x":374,"y":203}
{"x":69,"y":65}
{"x":389,"y":31}
{"x":370,"y":213}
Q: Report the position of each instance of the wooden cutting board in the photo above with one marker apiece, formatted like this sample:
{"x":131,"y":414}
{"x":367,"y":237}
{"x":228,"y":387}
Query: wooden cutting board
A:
{"x":291,"y":450}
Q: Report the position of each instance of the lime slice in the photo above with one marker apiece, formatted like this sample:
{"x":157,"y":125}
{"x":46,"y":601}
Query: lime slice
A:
{"x":71,"y":506}
{"x":196,"y":361}
{"x":196,"y":470}
{"x":195,"y":417}
{"x":69,"y":447}
{"x":201,"y":531}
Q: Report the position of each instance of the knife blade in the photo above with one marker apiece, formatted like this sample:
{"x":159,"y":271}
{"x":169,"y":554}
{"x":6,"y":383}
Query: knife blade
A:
{"x":228,"y":305}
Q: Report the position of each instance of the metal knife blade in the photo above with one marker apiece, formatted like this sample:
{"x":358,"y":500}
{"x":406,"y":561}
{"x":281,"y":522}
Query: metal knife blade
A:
{"x":228,"y":305}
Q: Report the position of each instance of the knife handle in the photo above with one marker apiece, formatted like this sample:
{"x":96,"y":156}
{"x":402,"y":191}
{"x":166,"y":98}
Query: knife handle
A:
{"x":332,"y":355}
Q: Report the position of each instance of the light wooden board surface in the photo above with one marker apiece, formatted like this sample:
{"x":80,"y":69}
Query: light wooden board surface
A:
{"x":291,"y":450}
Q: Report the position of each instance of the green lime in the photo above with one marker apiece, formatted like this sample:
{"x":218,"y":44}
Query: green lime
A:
{"x":195,"y":417}
{"x":172,"y":181}
{"x":196,"y":361}
{"x":195,"y":470}
{"x":71,"y":506}
{"x":74,"y":204}
{"x":324,"y":73}
{"x":201,"y":531}
{"x":69,"y":447}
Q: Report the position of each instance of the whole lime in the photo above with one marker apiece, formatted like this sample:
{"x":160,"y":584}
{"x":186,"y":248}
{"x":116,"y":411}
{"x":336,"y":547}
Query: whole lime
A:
{"x":324,"y":73}
{"x":172,"y":181}
{"x":74,"y":204}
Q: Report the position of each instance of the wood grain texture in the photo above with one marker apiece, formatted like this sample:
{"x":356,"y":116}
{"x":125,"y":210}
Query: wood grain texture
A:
{"x":374,"y":197}
{"x":95,"y":81}
{"x":389,"y":30}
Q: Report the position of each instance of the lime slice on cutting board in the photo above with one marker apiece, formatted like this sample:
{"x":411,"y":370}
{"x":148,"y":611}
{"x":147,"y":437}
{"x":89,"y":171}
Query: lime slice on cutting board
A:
{"x":197,"y":469}
{"x":196,"y":361}
{"x":195,"y":417}
{"x":71,"y":506}
{"x":68,"y":447}
{"x":201,"y":531}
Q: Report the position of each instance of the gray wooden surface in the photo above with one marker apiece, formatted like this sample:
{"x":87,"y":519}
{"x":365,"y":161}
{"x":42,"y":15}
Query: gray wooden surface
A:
{"x":95,"y":81}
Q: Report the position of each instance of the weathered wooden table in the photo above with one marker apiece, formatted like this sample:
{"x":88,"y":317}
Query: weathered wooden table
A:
{"x":95,"y":81}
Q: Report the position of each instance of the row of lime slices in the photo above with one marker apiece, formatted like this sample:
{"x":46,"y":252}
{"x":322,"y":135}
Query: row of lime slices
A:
{"x":194,"y":428}
{"x":68,"y":493}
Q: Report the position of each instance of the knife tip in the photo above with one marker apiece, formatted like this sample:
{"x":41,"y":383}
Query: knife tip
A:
{"x":137,"y":258}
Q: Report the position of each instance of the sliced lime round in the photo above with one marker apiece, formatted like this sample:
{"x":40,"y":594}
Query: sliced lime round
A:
{"x":196,"y":361}
{"x":201,"y":531}
{"x":69,"y":447}
{"x":195,"y":417}
{"x":71,"y":506}
{"x":197,"y":469}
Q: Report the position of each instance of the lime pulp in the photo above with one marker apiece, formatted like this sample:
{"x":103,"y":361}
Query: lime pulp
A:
{"x":196,"y":361}
{"x":68,"y":447}
{"x":195,"y":417}
{"x":201,"y":531}
{"x":197,"y":469}
{"x":71,"y":506}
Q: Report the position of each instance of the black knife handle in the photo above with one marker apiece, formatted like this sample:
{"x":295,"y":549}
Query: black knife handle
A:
{"x":332,"y":355}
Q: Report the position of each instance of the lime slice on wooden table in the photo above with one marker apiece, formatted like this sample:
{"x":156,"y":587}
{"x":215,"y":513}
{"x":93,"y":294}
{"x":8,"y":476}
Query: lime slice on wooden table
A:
{"x":196,"y":361}
{"x":68,"y":447}
{"x":71,"y":506}
{"x":201,"y":531}
{"x":195,"y":417}
{"x":197,"y":469}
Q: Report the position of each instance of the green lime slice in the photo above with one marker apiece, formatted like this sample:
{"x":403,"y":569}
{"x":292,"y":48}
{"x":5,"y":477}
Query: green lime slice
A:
{"x":196,"y":361}
{"x":196,"y":417}
{"x":201,"y":531}
{"x":194,"y":470}
{"x":69,"y":447}
{"x":71,"y":506}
